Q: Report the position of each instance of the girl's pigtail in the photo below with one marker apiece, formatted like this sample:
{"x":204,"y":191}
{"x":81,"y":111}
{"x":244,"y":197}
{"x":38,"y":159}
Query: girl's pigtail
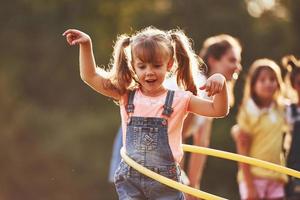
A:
{"x":186,"y":61}
{"x":122,"y":74}
{"x":289,"y":63}
{"x":292,"y":68}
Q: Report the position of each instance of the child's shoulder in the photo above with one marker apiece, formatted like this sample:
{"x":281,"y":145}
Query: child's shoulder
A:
{"x":250,"y":106}
{"x":124,"y":97}
{"x":182,"y":94}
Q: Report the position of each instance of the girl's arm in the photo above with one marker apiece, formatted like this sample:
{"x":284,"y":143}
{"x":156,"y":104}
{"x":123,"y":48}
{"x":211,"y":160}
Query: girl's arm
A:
{"x":243,"y":143}
{"x":219,"y":106}
{"x":87,"y":63}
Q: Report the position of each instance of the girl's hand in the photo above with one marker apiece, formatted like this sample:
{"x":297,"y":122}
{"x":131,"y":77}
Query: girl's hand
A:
{"x":214,"y":84}
{"x":74,"y":37}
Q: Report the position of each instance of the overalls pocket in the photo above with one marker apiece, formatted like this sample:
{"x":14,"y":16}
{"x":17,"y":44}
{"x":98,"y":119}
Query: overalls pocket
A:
{"x":145,"y":138}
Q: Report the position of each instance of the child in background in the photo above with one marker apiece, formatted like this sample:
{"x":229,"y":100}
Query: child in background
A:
{"x":261,"y":124}
{"x":222,"y":54}
{"x":292,"y":139}
{"x":152,"y":117}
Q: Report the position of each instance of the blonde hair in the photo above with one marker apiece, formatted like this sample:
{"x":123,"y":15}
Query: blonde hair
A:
{"x":147,"y":44}
{"x":254,"y":71}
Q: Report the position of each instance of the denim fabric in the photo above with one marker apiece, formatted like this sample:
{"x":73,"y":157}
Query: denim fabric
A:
{"x":131,"y":185}
{"x":147,"y":143}
{"x":116,"y":157}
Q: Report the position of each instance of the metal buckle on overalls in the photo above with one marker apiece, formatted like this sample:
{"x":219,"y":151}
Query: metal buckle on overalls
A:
{"x":130,"y":108}
{"x":167,"y":110}
{"x":164,"y":122}
{"x":173,"y":170}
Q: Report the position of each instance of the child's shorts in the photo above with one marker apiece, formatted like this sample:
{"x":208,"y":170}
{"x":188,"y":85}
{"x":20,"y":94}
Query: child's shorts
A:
{"x":266,"y":189}
{"x":130,"y":184}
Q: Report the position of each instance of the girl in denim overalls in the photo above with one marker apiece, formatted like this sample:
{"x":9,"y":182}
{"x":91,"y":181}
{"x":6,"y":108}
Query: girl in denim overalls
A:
{"x":152,"y":117}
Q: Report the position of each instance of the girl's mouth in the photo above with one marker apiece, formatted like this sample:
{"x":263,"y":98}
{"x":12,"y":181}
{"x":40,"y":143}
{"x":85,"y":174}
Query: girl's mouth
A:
{"x":150,"y":81}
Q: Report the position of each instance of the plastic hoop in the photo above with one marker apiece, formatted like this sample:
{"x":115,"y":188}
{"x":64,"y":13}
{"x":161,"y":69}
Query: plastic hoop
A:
{"x":210,"y":152}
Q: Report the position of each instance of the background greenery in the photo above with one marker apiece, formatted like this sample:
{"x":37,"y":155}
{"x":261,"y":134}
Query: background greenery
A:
{"x":57,"y":134}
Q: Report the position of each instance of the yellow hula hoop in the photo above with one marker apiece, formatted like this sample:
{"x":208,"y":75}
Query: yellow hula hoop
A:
{"x":169,"y":182}
{"x":210,"y":152}
{"x":241,"y":158}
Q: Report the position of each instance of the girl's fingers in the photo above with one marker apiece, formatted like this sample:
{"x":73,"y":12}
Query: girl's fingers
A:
{"x":220,"y":87}
{"x":73,"y":31}
{"x":208,"y":86}
{"x":215,"y":89}
{"x":67,"y":32}
{"x":69,"y":38}
{"x":77,"y":41}
{"x":210,"y":91}
{"x":73,"y":39}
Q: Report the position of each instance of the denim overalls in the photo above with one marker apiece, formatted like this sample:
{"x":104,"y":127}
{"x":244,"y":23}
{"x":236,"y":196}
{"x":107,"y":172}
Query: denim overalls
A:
{"x":147,"y":143}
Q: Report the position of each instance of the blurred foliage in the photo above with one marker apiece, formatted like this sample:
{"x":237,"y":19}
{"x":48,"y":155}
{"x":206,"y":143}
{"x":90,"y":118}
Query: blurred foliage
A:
{"x":57,"y":133}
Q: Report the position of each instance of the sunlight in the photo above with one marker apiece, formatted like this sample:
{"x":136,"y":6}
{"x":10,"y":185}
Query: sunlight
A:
{"x":257,"y":7}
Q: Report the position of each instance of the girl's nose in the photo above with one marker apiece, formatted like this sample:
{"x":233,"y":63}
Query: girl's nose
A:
{"x":149,"y":72}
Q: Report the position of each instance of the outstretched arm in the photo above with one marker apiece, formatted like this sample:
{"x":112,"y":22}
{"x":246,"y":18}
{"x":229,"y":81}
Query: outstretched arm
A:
{"x":218,"y":107}
{"x":87,"y":63}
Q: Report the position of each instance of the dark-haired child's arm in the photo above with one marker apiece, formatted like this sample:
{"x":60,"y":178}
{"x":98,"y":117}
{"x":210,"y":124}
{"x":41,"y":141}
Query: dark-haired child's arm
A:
{"x":219,"y":106}
{"x":243,"y":143}
{"x":87,"y":63}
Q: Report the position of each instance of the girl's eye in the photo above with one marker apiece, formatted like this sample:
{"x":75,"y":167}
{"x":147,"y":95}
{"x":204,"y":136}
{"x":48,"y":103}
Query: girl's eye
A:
{"x":141,"y":66}
{"x":157,"y":66}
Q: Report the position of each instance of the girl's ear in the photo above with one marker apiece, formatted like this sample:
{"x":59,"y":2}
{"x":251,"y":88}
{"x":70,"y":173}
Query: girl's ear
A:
{"x":170,"y":64}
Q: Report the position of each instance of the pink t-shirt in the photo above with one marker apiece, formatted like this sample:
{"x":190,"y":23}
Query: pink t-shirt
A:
{"x":146,"y":106}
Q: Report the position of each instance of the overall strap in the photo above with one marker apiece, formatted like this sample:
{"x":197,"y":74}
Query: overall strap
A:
{"x":294,"y":110}
{"x":168,"y":103}
{"x":130,"y":106}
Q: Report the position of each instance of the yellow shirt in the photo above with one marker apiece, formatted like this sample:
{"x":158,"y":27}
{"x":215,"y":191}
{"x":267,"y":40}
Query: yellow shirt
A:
{"x":266,"y":127}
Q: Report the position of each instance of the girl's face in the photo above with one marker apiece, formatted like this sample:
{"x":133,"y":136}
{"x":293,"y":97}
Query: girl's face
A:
{"x":266,"y":85}
{"x":151,"y":75}
{"x":229,"y":64}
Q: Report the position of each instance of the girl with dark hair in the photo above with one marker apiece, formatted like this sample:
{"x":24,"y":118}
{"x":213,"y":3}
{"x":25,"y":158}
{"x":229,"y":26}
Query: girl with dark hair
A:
{"x":221,"y":54}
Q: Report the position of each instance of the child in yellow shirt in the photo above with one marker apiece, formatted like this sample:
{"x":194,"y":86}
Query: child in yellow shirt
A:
{"x":261,"y":122}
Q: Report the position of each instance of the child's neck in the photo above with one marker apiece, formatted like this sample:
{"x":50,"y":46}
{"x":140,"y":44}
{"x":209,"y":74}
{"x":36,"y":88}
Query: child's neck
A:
{"x":153,"y":93}
{"x":265,"y":103}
